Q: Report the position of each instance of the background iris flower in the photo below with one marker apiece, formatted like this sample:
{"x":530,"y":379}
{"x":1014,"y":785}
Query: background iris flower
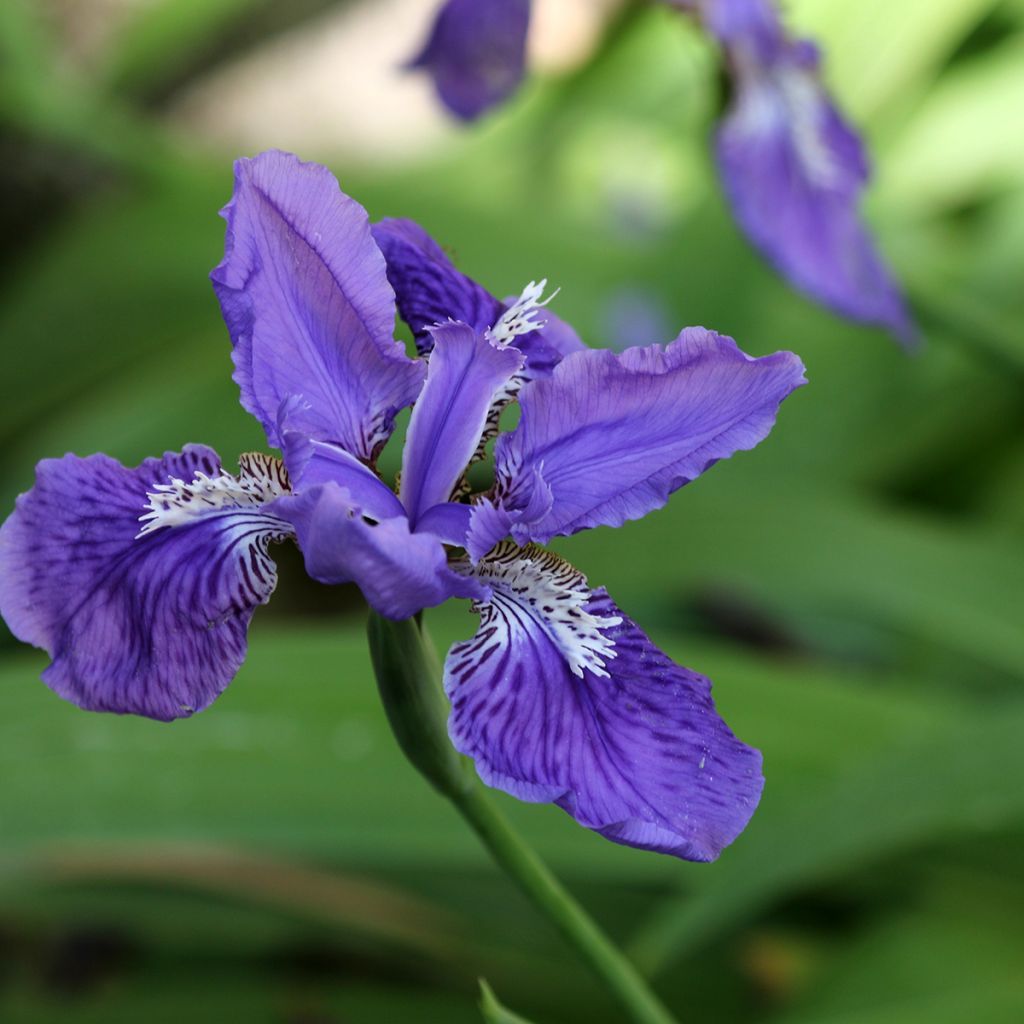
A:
{"x":792,"y":168}
{"x":140,"y":583}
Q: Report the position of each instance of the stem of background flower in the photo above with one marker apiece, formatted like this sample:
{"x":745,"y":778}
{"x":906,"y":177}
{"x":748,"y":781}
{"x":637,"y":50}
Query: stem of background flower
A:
{"x":408,"y":675}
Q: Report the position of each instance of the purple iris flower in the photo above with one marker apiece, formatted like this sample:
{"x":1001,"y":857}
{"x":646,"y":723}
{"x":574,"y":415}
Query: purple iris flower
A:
{"x":140,"y":583}
{"x":793,"y":169}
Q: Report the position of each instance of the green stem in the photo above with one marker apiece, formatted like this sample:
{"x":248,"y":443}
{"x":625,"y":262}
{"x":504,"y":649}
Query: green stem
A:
{"x":408,"y":674}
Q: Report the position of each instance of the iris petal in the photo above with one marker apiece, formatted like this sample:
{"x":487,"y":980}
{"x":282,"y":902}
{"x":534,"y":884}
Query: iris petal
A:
{"x":611,"y":436}
{"x":428,"y":287}
{"x":431,"y":290}
{"x":151,"y":625}
{"x":305,"y":295}
{"x":561,"y":698}
{"x":466,"y":372}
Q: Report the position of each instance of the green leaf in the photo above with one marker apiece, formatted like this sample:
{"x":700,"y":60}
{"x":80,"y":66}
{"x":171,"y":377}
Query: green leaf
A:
{"x":493,"y":1011}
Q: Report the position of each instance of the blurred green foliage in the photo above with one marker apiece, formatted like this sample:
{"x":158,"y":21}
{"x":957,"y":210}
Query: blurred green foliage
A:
{"x":854,"y":586}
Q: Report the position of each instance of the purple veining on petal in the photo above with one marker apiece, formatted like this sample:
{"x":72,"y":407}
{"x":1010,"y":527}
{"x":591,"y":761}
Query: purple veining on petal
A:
{"x":465,"y":373}
{"x":399,"y":572}
{"x":630,"y":745}
{"x":305,"y":296}
{"x":430,"y":290}
{"x":428,"y":287}
{"x":476,"y":53}
{"x":613,"y":435}
{"x":151,"y":625}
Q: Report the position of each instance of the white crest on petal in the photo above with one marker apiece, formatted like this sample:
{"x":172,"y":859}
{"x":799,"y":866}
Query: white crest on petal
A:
{"x":261,"y":478}
{"x":519,"y":318}
{"x":554,"y":595}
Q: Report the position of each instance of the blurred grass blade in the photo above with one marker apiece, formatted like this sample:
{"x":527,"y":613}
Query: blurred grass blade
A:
{"x":965,"y":778}
{"x":493,"y":1011}
{"x":902,"y":44}
{"x":340,"y":900}
{"x":969,"y":125}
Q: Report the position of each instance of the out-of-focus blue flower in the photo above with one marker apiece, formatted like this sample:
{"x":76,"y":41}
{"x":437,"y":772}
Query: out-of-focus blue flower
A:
{"x":140,"y":583}
{"x":792,"y":168}
{"x":476,"y":53}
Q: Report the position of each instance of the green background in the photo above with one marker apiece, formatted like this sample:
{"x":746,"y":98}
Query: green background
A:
{"x":854,"y":586}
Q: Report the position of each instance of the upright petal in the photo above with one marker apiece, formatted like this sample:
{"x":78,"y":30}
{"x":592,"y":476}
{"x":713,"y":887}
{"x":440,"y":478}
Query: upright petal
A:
{"x":399,"y":572}
{"x":430,"y":290}
{"x":428,"y":287}
{"x":476,"y":53}
{"x":561,"y":698}
{"x":613,"y":435}
{"x":466,"y":371}
{"x":793,"y":171}
{"x":142,"y":613}
{"x":305,"y":295}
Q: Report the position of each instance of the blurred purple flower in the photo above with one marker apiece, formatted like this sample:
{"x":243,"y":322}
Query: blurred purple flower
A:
{"x":792,"y":168}
{"x":140,"y":583}
{"x":476,"y":53}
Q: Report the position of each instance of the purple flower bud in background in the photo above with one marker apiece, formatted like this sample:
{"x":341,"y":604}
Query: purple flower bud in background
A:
{"x":476,"y":53}
{"x":792,"y":169}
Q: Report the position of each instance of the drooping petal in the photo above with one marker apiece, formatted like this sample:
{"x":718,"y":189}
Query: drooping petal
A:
{"x":476,"y":53}
{"x":612,"y":435}
{"x":793,"y":171}
{"x":466,"y":371}
{"x":561,"y":698}
{"x":428,"y":287}
{"x":753,"y":25}
{"x":399,"y":572}
{"x":142,"y":613}
{"x":305,"y":295}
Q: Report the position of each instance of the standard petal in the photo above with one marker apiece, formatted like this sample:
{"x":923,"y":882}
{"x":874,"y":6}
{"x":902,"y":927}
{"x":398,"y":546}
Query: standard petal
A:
{"x":139,"y":618}
{"x":561,"y":698}
{"x":793,"y":172}
{"x":428,"y":287}
{"x":466,"y":372}
{"x":476,"y":53}
{"x":613,"y":435}
{"x":399,"y":572}
{"x":305,"y":295}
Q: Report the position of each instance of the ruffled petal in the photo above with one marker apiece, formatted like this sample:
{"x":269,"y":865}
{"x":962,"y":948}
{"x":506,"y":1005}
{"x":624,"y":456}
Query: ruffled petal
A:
{"x":142,"y":613}
{"x":794,"y":171}
{"x":466,"y":372}
{"x":305,"y":295}
{"x":613,"y":435}
{"x":428,"y":287}
{"x":399,"y":572}
{"x":561,"y":698}
{"x":476,"y":53}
